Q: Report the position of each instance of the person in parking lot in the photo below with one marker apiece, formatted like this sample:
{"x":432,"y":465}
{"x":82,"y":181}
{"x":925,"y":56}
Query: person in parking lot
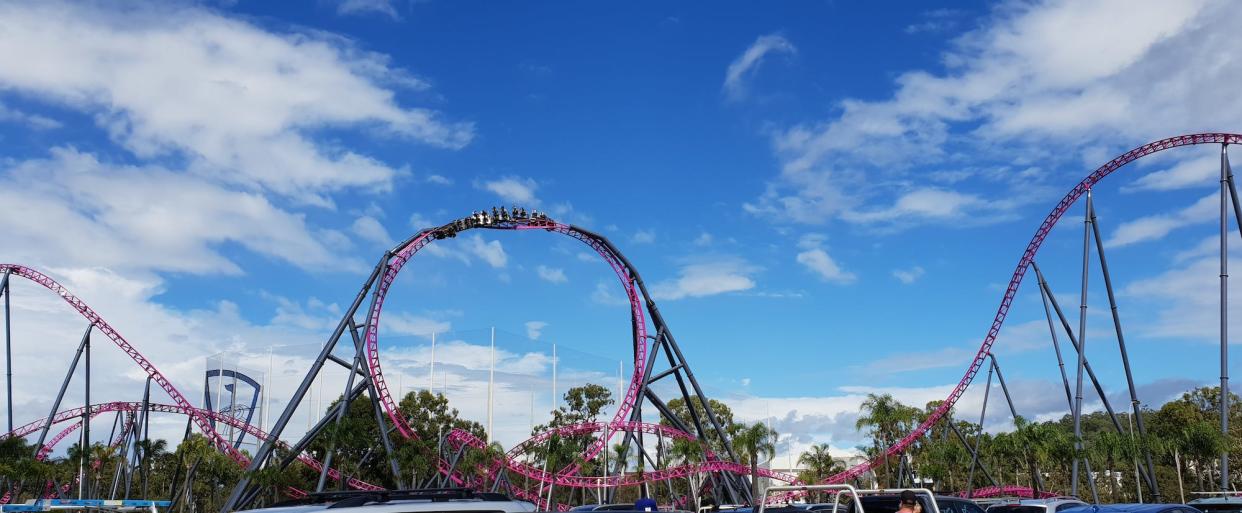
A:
{"x":909,"y":503}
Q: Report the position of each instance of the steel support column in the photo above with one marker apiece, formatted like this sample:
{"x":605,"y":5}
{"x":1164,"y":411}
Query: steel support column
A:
{"x":265,"y":451}
{"x":83,"y":471}
{"x":974,"y":456}
{"x":73,"y":365}
{"x":1036,"y":475}
{"x":970,"y":482}
{"x":1082,"y":346}
{"x":8,"y":346}
{"x":1224,"y":312}
{"x":340,"y":415}
{"x":1135,"y":405}
{"x":380,"y":422}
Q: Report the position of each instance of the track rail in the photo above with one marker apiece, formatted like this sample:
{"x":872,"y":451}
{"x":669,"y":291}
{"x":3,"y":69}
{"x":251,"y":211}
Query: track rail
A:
{"x":402,"y":255}
{"x":115,"y":336}
{"x":1015,"y":281}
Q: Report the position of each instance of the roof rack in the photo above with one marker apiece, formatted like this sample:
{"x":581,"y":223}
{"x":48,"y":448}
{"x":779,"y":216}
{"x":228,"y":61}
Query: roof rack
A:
{"x":350,"y":498}
{"x":854,"y":494}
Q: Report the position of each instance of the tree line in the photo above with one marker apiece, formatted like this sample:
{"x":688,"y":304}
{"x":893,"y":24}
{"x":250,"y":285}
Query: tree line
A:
{"x":1183,"y":438}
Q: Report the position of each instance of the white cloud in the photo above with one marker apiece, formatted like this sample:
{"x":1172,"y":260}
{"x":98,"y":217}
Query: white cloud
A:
{"x":605,"y":294}
{"x":146,"y":218}
{"x":35,"y":121}
{"x":920,"y":204}
{"x":643,"y":237}
{"x":815,"y":258}
{"x":748,"y":62}
{"x":551,"y":274}
{"x":534,"y":329}
{"x":491,"y":252}
{"x":419,"y":221}
{"x":1187,"y":301}
{"x":360,"y":7}
{"x":707,"y":278}
{"x":237,"y":102}
{"x":704,"y":239}
{"x":819,"y":262}
{"x":514,"y":190}
{"x":1155,"y":227}
{"x":370,"y":230}
{"x":468,"y":249}
{"x":908,"y":276}
{"x":438,"y":180}
{"x":407,"y":324}
{"x":1195,"y":172}
{"x":1018,"y":83}
{"x":947,"y":357}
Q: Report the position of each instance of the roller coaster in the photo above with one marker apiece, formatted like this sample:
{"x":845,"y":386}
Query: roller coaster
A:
{"x":656,"y":357}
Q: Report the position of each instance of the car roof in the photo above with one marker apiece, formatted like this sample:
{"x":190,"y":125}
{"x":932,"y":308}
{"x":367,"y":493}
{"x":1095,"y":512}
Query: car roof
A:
{"x":1129,"y":508}
{"x":1225,"y":499}
{"x":401,"y":501}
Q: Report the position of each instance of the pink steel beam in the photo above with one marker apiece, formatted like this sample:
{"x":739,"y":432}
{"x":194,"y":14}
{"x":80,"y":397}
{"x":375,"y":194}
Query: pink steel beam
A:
{"x":146,"y":365}
{"x":1011,"y":291}
{"x":98,"y":409}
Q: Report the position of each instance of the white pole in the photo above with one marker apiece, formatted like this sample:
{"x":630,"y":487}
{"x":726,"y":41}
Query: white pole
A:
{"x":491,"y":388}
{"x":267,"y":388}
{"x":554,"y":401}
{"x":215,"y":403}
{"x":431,"y":374}
{"x":233,"y":397}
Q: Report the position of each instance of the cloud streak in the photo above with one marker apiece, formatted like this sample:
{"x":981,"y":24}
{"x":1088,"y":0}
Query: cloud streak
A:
{"x":747,"y":64}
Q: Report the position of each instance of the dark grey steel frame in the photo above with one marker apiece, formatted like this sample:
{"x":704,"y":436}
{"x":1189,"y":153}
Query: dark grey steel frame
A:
{"x":734,"y":486}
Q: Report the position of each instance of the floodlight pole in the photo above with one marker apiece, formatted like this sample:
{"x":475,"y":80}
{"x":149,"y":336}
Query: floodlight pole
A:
{"x":1225,"y":189}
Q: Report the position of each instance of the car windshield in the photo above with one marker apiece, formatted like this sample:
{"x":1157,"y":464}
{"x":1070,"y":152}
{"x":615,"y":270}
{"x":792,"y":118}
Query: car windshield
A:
{"x":1220,"y":508}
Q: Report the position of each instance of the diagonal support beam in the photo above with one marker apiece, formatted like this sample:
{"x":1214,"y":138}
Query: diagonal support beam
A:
{"x":1135,"y":405}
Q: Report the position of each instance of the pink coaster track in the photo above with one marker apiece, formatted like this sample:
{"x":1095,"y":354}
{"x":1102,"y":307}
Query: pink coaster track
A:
{"x":1011,"y":291}
{"x":100,"y":324}
{"x":403,"y":256}
{"x":132,"y":407}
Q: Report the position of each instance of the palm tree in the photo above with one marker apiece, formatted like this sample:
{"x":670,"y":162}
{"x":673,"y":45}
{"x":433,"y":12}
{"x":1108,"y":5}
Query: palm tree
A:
{"x":819,"y":462}
{"x":756,"y":440}
{"x":689,"y":452}
{"x":883,"y":416}
{"x":1040,"y":441}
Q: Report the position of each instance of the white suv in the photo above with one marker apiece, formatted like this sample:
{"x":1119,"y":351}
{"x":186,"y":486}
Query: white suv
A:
{"x":451,"y":500}
{"x":1052,"y":505}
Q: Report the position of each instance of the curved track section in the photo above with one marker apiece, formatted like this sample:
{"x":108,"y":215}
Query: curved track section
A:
{"x":404,"y":253}
{"x":100,"y":324}
{"x":1024,"y":263}
{"x":459,"y":438}
{"x":133,"y":407}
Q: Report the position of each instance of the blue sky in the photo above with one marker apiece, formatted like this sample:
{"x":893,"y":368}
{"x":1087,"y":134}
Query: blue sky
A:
{"x":826,"y":198}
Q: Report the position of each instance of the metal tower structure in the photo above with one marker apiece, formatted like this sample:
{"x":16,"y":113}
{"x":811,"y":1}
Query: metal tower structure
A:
{"x":650,"y":336}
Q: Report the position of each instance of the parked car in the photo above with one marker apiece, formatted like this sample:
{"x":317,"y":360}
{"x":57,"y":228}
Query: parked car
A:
{"x":604,"y":507}
{"x":446,"y":500}
{"x":1052,"y":505}
{"x":1134,"y":508}
{"x":888,"y":503}
{"x":1218,"y":504}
